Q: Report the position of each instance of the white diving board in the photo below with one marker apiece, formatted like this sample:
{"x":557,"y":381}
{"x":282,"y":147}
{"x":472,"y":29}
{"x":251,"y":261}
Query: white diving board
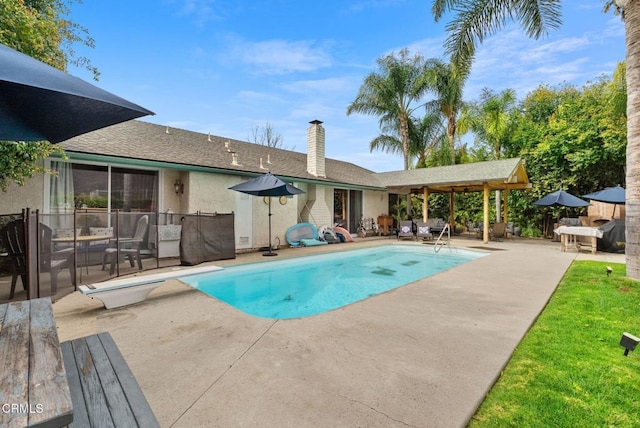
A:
{"x":127,"y":291}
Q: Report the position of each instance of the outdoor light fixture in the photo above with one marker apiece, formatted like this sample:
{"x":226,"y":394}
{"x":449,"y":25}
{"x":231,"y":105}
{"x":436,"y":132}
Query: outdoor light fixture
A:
{"x":178,"y":186}
{"x":609,"y":270}
{"x":629,"y":341}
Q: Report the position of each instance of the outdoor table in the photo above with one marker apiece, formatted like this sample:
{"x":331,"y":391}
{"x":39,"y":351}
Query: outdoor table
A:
{"x":34,"y":390}
{"x":84,"y":242}
{"x":568,"y":237}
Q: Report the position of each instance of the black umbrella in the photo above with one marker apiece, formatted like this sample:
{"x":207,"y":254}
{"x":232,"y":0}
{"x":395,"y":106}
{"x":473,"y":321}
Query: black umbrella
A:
{"x":612,"y":195}
{"x":267,"y":185}
{"x":561,"y":198}
{"x":39,"y":102}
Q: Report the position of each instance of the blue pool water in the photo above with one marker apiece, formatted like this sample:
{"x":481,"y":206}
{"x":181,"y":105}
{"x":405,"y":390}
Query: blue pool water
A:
{"x":304,"y":286}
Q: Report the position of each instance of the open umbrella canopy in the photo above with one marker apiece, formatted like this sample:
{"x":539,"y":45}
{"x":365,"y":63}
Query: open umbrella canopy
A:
{"x":39,"y":102}
{"x":561,"y":198}
{"x":612,"y":195}
{"x":267,"y":185}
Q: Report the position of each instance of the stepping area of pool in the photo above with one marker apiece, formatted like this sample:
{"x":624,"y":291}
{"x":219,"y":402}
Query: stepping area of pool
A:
{"x":421,"y":355}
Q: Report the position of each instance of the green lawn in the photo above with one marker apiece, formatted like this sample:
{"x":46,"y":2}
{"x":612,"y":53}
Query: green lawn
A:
{"x":570,"y":371}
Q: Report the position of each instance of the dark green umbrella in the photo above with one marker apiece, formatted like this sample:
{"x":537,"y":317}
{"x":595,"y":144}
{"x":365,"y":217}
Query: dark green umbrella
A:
{"x":39,"y":102}
{"x":561,"y":198}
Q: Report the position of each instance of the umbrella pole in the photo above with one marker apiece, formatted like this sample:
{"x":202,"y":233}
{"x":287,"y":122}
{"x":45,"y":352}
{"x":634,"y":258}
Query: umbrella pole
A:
{"x":270,"y":253}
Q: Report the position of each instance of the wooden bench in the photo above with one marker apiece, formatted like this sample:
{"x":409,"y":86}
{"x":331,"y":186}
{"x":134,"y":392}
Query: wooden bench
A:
{"x":104,"y":391}
{"x":33,"y":384}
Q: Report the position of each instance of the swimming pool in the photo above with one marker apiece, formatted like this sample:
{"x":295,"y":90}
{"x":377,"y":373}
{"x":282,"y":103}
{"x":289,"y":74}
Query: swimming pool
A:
{"x":304,"y":286}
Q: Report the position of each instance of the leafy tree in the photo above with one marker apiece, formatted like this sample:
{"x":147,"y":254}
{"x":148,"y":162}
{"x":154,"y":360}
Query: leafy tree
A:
{"x":392,"y":93}
{"x":40,"y":29}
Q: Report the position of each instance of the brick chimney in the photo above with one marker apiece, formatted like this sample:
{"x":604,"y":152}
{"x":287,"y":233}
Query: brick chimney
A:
{"x":315,"y":149}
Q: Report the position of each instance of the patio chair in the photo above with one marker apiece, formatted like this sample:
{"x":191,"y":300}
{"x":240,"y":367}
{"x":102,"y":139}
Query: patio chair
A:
{"x":405,"y":229}
{"x":13,"y":240}
{"x":54,"y":261}
{"x":472,"y":229}
{"x":129,"y":247}
{"x":498,"y":231}
{"x":423,"y":231}
{"x":509,"y":230}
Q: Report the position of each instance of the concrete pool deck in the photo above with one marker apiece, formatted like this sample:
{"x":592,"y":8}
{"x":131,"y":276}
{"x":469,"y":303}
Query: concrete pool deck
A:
{"x":421,"y":355}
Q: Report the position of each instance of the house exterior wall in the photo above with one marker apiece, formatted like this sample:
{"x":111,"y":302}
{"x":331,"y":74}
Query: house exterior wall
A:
{"x":375,"y":203}
{"x":168,"y":197}
{"x":31,"y":195}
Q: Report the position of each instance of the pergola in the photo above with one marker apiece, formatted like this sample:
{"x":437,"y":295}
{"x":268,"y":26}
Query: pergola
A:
{"x":503,"y":175}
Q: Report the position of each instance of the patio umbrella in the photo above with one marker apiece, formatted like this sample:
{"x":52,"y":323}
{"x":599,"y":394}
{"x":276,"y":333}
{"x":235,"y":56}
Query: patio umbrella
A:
{"x":561,"y":198}
{"x":612,"y":195}
{"x":267,"y":185}
{"x":39,"y":102}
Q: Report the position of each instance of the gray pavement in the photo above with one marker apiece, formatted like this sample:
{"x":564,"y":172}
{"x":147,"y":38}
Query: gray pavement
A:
{"x":423,"y":355}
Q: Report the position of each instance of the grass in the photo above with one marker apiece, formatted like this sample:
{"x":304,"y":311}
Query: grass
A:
{"x":570,"y":370}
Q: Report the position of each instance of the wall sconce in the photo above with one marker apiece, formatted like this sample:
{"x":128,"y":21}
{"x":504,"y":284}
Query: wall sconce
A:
{"x":178,"y":186}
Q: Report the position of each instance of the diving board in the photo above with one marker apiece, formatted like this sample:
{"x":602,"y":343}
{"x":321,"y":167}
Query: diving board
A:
{"x":127,"y":291}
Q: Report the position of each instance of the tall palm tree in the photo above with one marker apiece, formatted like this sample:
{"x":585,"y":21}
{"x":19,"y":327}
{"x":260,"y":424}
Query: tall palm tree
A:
{"x":475,"y":20}
{"x":491,"y":122}
{"x":393,"y":94}
{"x":446,"y":82}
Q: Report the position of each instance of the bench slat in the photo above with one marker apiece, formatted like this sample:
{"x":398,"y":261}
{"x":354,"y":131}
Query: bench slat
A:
{"x":114,"y":395}
{"x":139,"y":405}
{"x":14,"y":360}
{"x":47,"y":377}
{"x":80,"y":417}
{"x":97,"y":409}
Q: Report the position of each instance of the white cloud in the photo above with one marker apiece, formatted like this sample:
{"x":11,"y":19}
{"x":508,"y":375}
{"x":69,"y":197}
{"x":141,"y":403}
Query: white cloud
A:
{"x":331,"y":84}
{"x":281,"y":56}
{"x":203,"y":11}
{"x":510,"y":59}
{"x":255,"y":96}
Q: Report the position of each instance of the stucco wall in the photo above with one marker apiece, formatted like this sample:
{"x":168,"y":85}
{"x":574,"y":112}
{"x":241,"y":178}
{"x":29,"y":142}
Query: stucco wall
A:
{"x":28,"y":196}
{"x":375,"y":203}
{"x":168,"y":196}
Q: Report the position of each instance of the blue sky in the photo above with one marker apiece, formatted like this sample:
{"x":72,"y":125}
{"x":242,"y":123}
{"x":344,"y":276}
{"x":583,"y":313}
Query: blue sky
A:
{"x":224,"y":67}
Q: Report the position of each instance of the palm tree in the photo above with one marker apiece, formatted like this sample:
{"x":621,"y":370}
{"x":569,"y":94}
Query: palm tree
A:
{"x":491,"y":118}
{"x":476,"y":20}
{"x":425,"y":135}
{"x":393,"y":94}
{"x":491,"y":122}
{"x":446,"y":82}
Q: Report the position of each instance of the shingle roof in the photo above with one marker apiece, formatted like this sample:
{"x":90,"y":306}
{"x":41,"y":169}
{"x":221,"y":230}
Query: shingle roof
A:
{"x":150,"y":142}
{"x":498,"y":173}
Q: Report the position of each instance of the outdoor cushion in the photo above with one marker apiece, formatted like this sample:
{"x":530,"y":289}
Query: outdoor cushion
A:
{"x":312,"y":242}
{"x":97,"y":231}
